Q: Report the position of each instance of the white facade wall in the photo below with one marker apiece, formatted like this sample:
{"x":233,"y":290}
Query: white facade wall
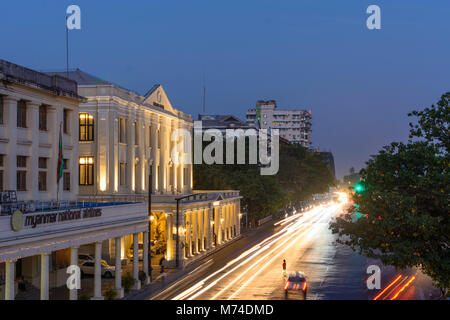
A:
{"x":139,"y":151}
{"x":34,"y":143}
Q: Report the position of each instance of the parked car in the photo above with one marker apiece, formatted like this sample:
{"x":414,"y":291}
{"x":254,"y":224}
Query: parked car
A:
{"x":107,"y":271}
{"x":82,"y":257}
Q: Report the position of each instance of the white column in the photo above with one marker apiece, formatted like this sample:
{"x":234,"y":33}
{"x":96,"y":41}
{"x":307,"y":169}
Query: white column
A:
{"x":195,"y":229}
{"x":163,"y":159}
{"x":137,"y":284}
{"x":10,"y":105}
{"x":73,"y":293}
{"x":238,"y":217}
{"x":33,"y":192}
{"x":201,"y":223}
{"x":97,"y":272}
{"x":10,"y":277}
{"x":209,"y":231}
{"x":154,"y":145}
{"x":118,"y":271}
{"x":189,"y":233}
{"x":145,"y":262}
{"x":44,"y":276}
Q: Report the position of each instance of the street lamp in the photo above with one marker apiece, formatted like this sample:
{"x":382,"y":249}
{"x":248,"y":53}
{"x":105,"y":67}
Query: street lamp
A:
{"x":150,"y":217}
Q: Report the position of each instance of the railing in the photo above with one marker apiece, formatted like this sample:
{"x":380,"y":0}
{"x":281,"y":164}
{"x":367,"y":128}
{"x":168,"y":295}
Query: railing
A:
{"x":8,"y":208}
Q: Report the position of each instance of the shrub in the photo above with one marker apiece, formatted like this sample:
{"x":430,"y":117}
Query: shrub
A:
{"x":128,"y":282}
{"x":83,"y":297}
{"x":142,"y":276}
{"x":110,"y":294}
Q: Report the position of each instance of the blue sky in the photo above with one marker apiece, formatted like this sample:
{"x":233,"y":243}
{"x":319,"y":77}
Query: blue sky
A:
{"x":313,"y":54}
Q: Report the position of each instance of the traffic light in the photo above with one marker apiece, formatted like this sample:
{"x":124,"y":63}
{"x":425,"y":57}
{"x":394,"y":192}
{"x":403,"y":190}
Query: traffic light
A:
{"x":359,"y":188}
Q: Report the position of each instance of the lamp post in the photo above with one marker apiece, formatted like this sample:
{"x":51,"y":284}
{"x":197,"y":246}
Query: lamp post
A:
{"x":150,"y":187}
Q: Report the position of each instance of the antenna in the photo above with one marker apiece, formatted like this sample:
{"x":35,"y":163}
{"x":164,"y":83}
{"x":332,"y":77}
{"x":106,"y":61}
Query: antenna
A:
{"x":67,"y":48}
{"x":204,"y":100}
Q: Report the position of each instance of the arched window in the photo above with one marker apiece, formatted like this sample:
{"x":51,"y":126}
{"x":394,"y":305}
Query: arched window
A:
{"x":86,"y":127}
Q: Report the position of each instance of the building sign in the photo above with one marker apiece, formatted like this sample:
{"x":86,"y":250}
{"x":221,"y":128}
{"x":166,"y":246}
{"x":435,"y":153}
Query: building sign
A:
{"x":18,"y":221}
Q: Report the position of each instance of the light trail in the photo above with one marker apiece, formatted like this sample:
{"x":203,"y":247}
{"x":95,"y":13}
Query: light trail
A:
{"x":403,"y":288}
{"x":385,"y":289}
{"x":313,"y":230}
{"x":401,"y":282}
{"x":287,"y":233}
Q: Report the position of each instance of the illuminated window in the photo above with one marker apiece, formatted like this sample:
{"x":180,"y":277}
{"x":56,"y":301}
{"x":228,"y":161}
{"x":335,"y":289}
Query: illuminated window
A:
{"x":86,"y":127}
{"x":122,"y":174}
{"x":86,"y":170}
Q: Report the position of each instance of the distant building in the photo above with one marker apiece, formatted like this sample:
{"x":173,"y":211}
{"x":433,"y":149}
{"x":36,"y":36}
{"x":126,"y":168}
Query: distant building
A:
{"x":294,"y":125}
{"x":327,"y":156}
{"x":223,"y":122}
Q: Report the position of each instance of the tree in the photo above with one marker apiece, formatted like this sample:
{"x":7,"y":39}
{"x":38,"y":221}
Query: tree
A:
{"x":405,"y":203}
{"x":301,"y":174}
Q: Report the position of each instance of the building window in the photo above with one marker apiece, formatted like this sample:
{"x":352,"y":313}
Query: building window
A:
{"x":66,"y":181}
{"x":136,"y":133}
{"x":122,"y":128}
{"x":21,"y":162}
{"x":1,"y":109}
{"x":65,"y":164}
{"x":21,"y":180}
{"x":150,"y":136}
{"x":1,"y":180}
{"x":21,"y":114}
{"x":86,"y":170}
{"x":43,"y":118}
{"x":66,"y":117}
{"x":2,"y":159}
{"x":185,"y":177}
{"x":42,"y":180}
{"x":42,"y":163}
{"x":159,"y":139}
{"x":122,"y":174}
{"x":86,"y":127}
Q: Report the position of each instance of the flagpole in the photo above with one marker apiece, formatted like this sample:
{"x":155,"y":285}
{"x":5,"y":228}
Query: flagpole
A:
{"x":57,"y":173}
{"x":67,"y":49}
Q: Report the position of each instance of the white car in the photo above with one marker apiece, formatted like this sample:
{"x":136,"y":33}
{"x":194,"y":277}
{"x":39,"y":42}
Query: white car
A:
{"x":107,"y":271}
{"x":83,"y":257}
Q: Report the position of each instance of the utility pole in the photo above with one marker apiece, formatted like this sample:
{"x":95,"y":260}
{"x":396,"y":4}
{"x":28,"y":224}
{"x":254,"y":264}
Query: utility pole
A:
{"x":150,"y":187}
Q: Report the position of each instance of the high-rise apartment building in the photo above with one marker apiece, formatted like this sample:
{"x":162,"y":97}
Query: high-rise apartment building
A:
{"x":294,"y":125}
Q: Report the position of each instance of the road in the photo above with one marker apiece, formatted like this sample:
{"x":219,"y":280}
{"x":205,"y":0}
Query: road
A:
{"x":254,"y":271}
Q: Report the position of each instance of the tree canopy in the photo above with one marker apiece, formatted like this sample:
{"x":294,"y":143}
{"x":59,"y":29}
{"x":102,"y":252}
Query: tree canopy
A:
{"x":301,"y":174}
{"x":404,"y":208}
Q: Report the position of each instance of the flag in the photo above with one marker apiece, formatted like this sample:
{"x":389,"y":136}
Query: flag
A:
{"x":59,"y":172}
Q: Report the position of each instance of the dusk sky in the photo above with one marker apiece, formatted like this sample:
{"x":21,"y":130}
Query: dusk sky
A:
{"x":318,"y":55}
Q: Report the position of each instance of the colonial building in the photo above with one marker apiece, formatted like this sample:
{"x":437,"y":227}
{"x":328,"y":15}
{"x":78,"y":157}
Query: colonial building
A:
{"x":126,"y":139}
{"x":294,"y":125}
{"x":39,"y":236}
{"x":34,"y":107}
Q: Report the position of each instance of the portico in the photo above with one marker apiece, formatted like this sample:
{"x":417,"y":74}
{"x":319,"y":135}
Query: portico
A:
{"x":28,"y":244}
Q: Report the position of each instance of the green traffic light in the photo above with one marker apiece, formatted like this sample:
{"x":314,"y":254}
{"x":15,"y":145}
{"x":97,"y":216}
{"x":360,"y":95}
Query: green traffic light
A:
{"x":359,"y":188}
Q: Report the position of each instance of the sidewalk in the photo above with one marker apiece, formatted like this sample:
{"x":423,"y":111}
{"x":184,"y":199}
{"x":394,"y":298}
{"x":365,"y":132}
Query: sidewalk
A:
{"x":172,"y":275}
